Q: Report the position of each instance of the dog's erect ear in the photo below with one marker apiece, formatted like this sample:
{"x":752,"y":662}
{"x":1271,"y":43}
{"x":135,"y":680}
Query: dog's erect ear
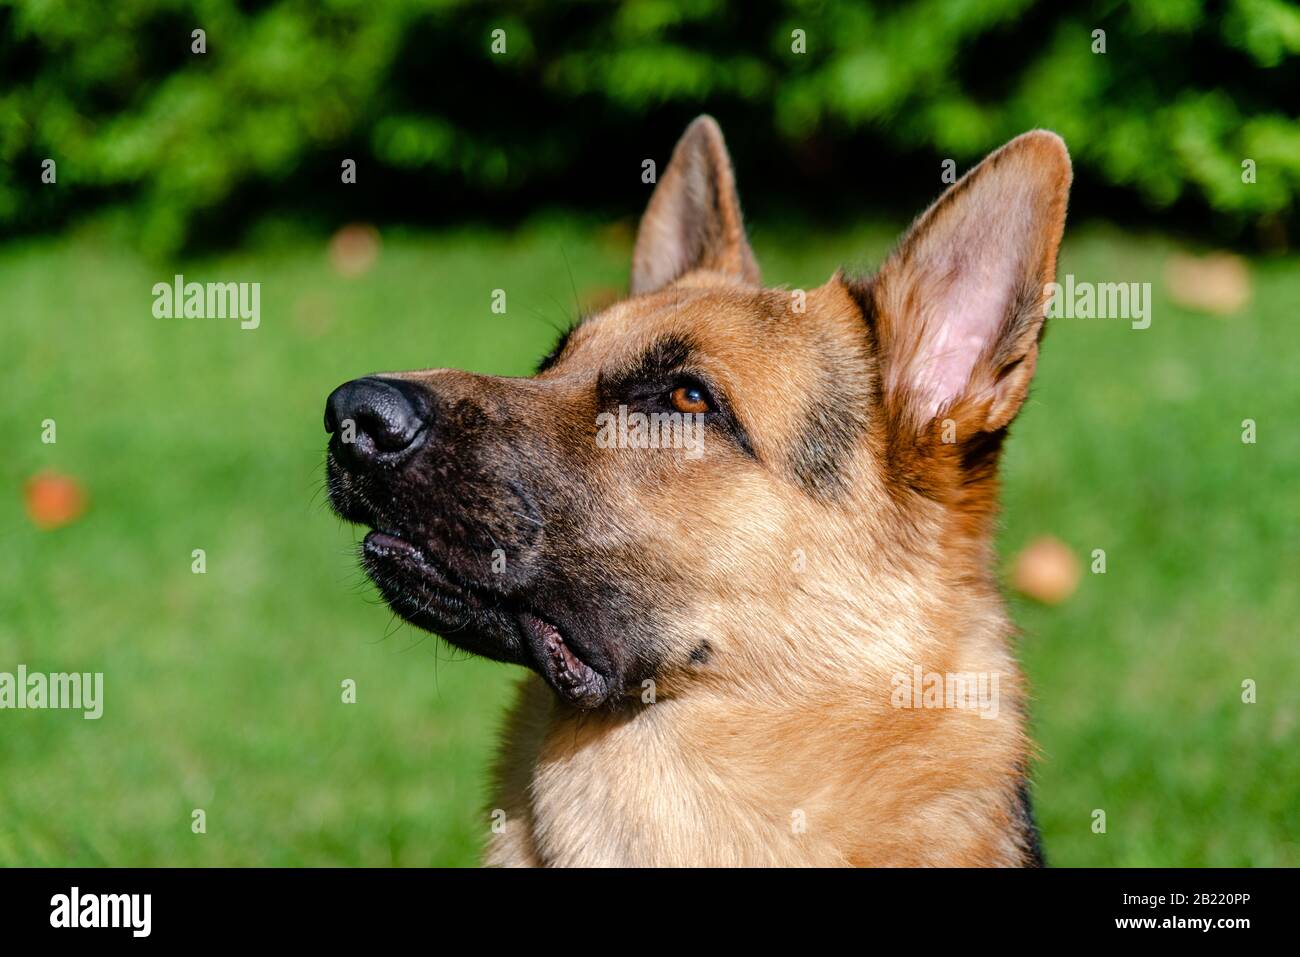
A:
{"x":959,"y":304}
{"x":693,"y":220}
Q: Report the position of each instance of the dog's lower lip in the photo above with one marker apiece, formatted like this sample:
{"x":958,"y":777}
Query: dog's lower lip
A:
{"x":383,"y":541}
{"x":577,"y":681}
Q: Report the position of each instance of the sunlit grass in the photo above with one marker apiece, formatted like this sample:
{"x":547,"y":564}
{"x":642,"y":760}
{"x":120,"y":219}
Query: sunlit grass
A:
{"x":223,"y":689}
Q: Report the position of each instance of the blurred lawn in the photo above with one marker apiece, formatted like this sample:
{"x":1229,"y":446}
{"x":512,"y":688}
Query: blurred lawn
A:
{"x":223,"y":690}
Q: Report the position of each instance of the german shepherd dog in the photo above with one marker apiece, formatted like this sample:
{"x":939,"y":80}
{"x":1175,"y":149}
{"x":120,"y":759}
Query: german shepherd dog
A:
{"x":724,"y":632}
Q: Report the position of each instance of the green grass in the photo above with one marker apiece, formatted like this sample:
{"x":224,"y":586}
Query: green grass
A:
{"x":223,"y":690}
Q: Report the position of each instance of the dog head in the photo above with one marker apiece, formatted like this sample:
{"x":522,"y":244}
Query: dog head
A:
{"x":699,"y":469}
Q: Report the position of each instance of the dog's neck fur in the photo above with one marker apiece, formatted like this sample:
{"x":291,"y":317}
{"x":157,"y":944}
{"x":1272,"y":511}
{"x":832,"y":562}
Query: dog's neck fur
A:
{"x":868,"y":784}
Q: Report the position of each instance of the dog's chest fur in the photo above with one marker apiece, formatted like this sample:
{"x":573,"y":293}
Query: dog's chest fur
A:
{"x":703,"y":782}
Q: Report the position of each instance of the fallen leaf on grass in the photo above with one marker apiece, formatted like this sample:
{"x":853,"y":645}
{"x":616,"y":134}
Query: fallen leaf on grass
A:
{"x":354,"y":249}
{"x":1218,"y":283}
{"x":53,"y":500}
{"x":1046,"y":571}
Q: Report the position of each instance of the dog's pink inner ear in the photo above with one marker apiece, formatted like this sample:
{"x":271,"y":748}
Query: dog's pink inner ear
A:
{"x":693,"y":220}
{"x":961,"y":301}
{"x":961,"y":320}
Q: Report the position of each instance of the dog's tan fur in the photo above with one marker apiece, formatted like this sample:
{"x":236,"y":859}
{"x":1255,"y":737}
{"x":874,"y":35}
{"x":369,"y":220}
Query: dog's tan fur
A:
{"x":781,"y":746}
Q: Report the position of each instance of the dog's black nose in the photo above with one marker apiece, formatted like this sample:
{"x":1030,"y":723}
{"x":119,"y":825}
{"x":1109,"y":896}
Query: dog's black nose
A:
{"x":374,"y":416}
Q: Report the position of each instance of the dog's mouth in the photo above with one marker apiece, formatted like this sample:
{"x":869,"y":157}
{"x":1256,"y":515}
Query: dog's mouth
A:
{"x":430,"y":595}
{"x":561,"y":665}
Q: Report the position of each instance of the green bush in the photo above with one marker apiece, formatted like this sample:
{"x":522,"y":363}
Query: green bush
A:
{"x":185,"y":144}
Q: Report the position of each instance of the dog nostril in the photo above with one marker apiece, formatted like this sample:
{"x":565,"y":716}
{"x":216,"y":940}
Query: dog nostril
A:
{"x":389,"y":429}
{"x":372,"y":415}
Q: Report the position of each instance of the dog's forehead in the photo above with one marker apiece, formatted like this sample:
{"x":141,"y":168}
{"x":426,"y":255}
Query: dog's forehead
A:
{"x":715,"y":321}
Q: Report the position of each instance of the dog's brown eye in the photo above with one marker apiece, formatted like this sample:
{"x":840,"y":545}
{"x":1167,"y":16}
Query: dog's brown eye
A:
{"x":689,"y":399}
